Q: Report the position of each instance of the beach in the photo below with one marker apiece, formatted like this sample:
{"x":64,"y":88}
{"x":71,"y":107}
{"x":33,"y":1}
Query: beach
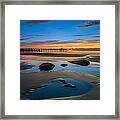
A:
{"x":37,"y":79}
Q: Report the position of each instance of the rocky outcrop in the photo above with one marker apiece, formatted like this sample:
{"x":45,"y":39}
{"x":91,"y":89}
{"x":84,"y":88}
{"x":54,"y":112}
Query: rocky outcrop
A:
{"x":64,"y":65}
{"x":82,"y":62}
{"x":46,"y":66}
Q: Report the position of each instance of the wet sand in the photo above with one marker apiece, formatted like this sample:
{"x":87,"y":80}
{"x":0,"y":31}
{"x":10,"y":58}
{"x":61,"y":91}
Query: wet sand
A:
{"x":32,"y":80}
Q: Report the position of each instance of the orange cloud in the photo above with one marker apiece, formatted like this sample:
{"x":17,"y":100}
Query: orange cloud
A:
{"x":77,"y":44}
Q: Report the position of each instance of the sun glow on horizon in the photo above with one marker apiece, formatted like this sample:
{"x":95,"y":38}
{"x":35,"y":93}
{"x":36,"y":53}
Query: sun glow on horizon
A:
{"x":82,"y":44}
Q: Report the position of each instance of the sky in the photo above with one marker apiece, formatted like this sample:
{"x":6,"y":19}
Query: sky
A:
{"x":60,"y":33}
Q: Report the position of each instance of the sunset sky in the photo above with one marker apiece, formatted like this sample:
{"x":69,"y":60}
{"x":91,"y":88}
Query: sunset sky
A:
{"x":60,"y":33}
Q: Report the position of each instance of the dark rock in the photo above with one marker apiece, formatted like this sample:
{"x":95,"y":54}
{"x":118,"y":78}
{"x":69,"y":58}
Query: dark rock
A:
{"x":70,"y":85}
{"x":82,"y":62}
{"x":95,"y":59}
{"x":62,"y":81}
{"x":63,"y":65}
{"x":46,"y":66}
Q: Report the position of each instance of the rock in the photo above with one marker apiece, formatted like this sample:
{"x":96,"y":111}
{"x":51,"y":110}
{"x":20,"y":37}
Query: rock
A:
{"x":62,"y":81}
{"x":63,"y":65}
{"x":95,"y":59}
{"x":82,"y":62}
{"x":70,"y":85}
{"x":46,"y":66}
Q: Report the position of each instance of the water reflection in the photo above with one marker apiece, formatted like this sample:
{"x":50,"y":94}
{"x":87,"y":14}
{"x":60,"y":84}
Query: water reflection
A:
{"x":56,"y":89}
{"x":93,"y":68}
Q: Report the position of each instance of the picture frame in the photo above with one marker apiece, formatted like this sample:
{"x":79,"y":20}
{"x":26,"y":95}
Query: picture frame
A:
{"x":70,"y":2}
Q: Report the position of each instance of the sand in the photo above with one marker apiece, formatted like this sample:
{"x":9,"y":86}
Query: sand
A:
{"x":32,"y":80}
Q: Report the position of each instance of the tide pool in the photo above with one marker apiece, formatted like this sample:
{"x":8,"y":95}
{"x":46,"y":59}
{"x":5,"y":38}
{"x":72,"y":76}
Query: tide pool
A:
{"x":57,"y":89}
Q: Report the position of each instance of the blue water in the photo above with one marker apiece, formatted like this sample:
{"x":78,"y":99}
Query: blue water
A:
{"x":56,"y":89}
{"x":90,"y":69}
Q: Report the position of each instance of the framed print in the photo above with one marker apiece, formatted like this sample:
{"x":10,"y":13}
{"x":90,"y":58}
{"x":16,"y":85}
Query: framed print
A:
{"x":60,"y":60}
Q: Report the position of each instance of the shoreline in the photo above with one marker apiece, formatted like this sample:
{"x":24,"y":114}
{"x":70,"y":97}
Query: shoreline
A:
{"x":54,"y":54}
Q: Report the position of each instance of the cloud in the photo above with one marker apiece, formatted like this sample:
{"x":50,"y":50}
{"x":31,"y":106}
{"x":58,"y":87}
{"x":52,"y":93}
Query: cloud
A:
{"x":90,"y":23}
{"x":33,"y":22}
{"x":41,"y":42}
{"x":90,"y":41}
{"x":78,"y":35}
{"x":26,"y":38}
{"x":96,"y":36}
{"x":46,"y":42}
{"x":49,"y":41}
{"x":85,"y":34}
{"x":67,"y":44}
{"x":36,"y":35}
